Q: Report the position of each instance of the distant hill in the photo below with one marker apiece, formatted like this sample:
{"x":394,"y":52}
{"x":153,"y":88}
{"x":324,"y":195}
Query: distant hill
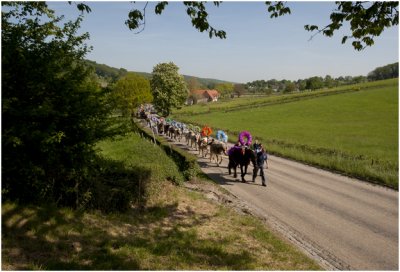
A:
{"x":107,"y":72}
{"x":111,"y":74}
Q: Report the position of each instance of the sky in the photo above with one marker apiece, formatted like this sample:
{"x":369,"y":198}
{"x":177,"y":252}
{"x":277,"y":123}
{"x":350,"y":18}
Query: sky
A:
{"x":256,"y":48}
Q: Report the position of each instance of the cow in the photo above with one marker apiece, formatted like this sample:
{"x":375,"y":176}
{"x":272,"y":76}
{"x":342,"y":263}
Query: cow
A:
{"x":194,"y":139}
{"x":240,"y":156}
{"x":171,"y":132}
{"x":217,"y":148}
{"x":188,"y":135}
{"x":160,"y":127}
{"x":202,"y":144}
{"x":166,"y":129}
{"x":178,"y":134}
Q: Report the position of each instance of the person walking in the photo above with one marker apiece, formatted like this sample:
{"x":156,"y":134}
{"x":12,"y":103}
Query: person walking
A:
{"x":261,"y":158}
{"x":256,"y":146}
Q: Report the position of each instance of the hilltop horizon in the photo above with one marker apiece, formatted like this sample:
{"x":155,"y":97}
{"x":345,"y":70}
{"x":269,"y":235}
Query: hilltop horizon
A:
{"x":203,"y":80}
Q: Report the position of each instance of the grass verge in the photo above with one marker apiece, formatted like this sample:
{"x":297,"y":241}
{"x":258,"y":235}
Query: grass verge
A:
{"x":176,"y":230}
{"x":183,"y":231}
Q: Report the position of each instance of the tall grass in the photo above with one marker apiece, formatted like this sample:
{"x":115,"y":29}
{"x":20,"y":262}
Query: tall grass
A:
{"x":355,"y":132}
{"x":134,"y":151}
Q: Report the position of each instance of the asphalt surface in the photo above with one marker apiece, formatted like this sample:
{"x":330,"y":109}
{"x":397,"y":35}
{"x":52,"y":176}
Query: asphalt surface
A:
{"x":343,"y":223}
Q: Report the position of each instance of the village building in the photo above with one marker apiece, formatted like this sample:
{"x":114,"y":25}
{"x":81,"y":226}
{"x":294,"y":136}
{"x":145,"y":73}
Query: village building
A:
{"x":202,"y":96}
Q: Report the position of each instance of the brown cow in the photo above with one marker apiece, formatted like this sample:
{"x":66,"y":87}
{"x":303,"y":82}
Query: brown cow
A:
{"x":217,"y":148}
{"x":194,"y":139}
{"x":202,"y":144}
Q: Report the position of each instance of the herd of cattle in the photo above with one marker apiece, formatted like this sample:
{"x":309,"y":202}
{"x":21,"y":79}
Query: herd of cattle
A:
{"x":201,"y":141}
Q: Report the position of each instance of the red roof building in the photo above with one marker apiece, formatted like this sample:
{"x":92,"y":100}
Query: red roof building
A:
{"x":204,"y":96}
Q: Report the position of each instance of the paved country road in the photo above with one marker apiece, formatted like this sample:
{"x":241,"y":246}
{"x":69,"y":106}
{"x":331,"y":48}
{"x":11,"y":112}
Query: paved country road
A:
{"x":343,"y":223}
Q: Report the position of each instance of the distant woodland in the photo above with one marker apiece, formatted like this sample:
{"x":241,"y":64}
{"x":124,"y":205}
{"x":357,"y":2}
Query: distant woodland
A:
{"x":107,"y":74}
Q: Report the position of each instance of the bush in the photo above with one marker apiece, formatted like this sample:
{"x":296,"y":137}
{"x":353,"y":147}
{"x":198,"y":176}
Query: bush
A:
{"x":187,"y":163}
{"x":52,"y":110}
{"x":130,"y":171}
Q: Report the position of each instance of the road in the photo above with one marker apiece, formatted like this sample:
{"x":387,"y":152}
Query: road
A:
{"x":343,"y":223}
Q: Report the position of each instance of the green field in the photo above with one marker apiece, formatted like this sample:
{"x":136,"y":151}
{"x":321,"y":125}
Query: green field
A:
{"x":251,"y":102}
{"x":354,"y":132}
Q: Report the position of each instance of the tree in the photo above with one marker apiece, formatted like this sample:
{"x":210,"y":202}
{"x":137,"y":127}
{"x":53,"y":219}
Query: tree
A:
{"x":193,"y":84}
{"x":359,"y":79}
{"x":385,"y":72}
{"x":290,"y":88}
{"x":211,"y":85}
{"x":130,"y":91}
{"x":366,"y":19}
{"x":302,"y":84}
{"x":329,"y":82}
{"x":314,"y":83}
{"x":225,"y":89}
{"x":273,"y":84}
{"x":52,"y":112}
{"x":257,"y":86}
{"x":239,"y":89}
{"x":106,"y":72}
{"x":195,"y":10}
{"x":168,"y":88}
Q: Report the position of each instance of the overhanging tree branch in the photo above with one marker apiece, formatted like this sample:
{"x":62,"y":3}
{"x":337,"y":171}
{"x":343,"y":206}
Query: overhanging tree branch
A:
{"x":367,"y":19}
{"x":366,"y":22}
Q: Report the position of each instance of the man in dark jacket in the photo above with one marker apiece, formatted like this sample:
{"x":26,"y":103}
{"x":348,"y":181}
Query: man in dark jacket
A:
{"x":261,"y":157}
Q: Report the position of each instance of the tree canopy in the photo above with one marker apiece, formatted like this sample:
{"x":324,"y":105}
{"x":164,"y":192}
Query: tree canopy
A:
{"x":104,"y":71}
{"x":225,"y":89}
{"x":367,"y":20}
{"x":385,"y":72}
{"x":130,"y":91}
{"x":168,"y":88}
{"x":193,"y":84}
{"x":239,"y":89}
{"x":52,"y":110}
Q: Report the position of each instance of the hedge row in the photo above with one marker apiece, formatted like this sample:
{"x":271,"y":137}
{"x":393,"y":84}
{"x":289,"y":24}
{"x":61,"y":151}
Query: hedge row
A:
{"x":187,"y":163}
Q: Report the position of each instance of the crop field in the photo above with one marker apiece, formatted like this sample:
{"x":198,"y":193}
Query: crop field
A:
{"x":354,"y":132}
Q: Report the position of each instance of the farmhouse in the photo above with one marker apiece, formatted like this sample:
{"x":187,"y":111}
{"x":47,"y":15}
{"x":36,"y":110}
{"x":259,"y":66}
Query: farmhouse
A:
{"x":202,"y":96}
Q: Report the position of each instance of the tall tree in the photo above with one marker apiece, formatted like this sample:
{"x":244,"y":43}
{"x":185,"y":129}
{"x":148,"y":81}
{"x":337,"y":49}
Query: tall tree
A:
{"x":239,"y":89}
{"x":385,"y":72}
{"x":225,"y":89}
{"x":302,"y":84}
{"x":168,"y":88}
{"x":131,"y":91}
{"x":52,"y":112}
{"x":290,"y":87}
{"x":314,"y":83}
{"x":193,"y":84}
{"x":329,"y":82}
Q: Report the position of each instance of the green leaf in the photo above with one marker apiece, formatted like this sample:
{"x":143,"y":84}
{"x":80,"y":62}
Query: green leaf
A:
{"x":160,"y":7}
{"x":83,"y":7}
